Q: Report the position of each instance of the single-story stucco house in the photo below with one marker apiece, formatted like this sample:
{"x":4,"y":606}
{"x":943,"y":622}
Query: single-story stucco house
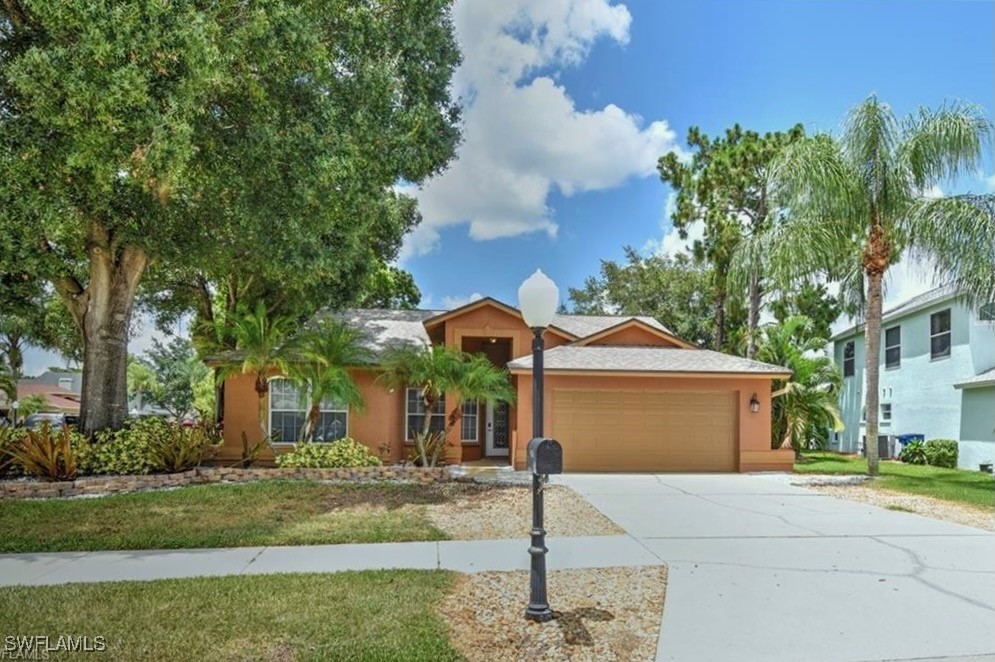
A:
{"x":621,"y":394}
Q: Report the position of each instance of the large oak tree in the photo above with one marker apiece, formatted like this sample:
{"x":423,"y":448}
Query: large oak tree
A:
{"x":198,"y":139}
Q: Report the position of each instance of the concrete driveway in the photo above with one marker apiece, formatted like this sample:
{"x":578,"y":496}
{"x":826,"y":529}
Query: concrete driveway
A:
{"x":762,"y":570}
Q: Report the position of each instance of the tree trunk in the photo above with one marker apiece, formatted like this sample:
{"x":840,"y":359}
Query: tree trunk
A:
{"x":872,"y":344}
{"x":876,"y":258}
{"x":103,"y":313}
{"x":313,"y":415}
{"x":720,"y":318}
{"x":756,"y":292}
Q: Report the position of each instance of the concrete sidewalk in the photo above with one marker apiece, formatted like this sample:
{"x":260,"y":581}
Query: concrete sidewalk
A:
{"x":460,"y":555}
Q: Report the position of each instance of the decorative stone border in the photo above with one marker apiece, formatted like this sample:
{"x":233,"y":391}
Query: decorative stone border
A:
{"x":95,"y":485}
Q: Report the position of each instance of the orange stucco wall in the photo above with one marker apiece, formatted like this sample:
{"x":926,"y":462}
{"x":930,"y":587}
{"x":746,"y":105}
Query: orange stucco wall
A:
{"x":753,"y":433}
{"x":379,"y":425}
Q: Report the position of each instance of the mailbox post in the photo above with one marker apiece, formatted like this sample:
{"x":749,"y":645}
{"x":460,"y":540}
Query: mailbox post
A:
{"x":545,"y":456}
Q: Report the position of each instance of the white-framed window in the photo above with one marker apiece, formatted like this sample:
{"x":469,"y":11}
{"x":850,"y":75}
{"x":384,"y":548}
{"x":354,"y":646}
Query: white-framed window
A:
{"x":893,"y":347}
{"x":939,"y":335}
{"x":414,"y":413}
{"x":470,"y":423}
{"x":288,"y":412}
{"x":886,"y":413}
{"x":849,"y":358}
{"x":66,"y":383}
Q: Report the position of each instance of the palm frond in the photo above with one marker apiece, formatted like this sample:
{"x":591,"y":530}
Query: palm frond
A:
{"x":958,"y":235}
{"x":940,"y":144}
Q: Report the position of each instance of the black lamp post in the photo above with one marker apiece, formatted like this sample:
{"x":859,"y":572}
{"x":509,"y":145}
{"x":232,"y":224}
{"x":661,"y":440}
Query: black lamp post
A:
{"x":538,"y":297}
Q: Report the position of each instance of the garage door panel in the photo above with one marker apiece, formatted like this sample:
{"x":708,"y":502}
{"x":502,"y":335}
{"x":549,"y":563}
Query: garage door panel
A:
{"x":645,"y":430}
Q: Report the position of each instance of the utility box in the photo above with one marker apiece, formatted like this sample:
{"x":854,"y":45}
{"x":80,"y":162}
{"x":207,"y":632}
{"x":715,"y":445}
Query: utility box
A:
{"x":545,"y":456}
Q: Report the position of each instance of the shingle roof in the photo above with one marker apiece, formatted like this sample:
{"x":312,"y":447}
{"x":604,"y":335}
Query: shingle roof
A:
{"x":986,"y":378}
{"x":935,"y":295}
{"x":384,"y":328}
{"x":586,"y":325}
{"x":645,"y":359}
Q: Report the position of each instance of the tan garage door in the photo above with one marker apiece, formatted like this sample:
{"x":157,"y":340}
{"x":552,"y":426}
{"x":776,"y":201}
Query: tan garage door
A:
{"x":645,"y":430}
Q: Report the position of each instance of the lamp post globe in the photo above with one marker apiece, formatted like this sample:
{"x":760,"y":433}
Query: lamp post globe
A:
{"x":538,"y":297}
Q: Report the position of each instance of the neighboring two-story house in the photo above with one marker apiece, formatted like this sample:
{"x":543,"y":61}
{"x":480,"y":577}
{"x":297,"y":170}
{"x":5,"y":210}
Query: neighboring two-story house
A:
{"x":937,"y":376}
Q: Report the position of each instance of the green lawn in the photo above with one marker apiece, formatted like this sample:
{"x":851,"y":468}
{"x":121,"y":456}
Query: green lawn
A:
{"x":970,"y":487}
{"x":265,"y":513}
{"x":372,"y":615}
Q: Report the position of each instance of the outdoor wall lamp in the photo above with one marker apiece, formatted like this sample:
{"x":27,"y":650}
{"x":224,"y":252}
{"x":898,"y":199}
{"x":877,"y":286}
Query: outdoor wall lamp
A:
{"x":537,"y":299}
{"x":755,"y":404}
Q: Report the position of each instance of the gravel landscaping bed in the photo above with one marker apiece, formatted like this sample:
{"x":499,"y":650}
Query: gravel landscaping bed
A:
{"x":921,"y":505}
{"x":506,"y":512}
{"x":602,"y":614}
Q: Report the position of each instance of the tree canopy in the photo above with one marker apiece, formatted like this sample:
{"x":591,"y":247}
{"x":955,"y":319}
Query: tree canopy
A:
{"x":674,"y":290}
{"x":209,"y":152}
{"x":725,"y":187}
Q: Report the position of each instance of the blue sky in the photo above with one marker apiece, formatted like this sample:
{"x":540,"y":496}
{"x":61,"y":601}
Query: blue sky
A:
{"x":571,"y":102}
{"x":766,"y":64}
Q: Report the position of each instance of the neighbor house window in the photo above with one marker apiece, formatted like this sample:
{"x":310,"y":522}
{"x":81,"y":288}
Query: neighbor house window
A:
{"x":414,"y":419}
{"x":288,"y":411}
{"x":470,"y":422}
{"x":886,"y":412}
{"x":893,"y":347}
{"x":987,"y":312}
{"x":66,"y":383}
{"x":849,"y":359}
{"x":939,"y":334}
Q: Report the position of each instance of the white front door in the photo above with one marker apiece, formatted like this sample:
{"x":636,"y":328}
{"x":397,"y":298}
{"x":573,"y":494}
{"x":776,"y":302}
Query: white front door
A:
{"x":496,"y":435}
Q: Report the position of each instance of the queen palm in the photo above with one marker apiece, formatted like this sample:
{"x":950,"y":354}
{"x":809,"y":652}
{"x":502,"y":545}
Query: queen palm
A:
{"x":439,"y":371}
{"x":857,"y":201}
{"x":261,"y":350}
{"x":318,"y":364}
{"x":805,"y":404}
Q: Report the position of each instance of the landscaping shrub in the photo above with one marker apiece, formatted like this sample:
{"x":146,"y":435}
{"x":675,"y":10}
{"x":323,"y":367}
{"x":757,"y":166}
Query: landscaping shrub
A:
{"x":48,"y":454}
{"x":914,"y":452}
{"x":182,"y":448}
{"x":941,"y":453}
{"x":338,"y":454}
{"x":124,"y":452}
{"x":8,"y":437}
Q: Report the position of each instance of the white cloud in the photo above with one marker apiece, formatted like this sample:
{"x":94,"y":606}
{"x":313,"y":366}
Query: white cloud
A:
{"x":523,"y":135}
{"x":671,"y":243}
{"x":933,"y":192}
{"x":449,"y":303}
{"x":989,"y":182}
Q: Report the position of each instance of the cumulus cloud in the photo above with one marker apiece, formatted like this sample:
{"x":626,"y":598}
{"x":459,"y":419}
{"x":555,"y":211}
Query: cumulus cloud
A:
{"x":450,"y":303}
{"x":524,"y":136}
{"x":670,"y":241}
{"x":990,"y":182}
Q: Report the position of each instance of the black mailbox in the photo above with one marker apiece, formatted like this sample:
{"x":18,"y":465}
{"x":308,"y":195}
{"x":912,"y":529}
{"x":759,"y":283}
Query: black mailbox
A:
{"x":545,"y":456}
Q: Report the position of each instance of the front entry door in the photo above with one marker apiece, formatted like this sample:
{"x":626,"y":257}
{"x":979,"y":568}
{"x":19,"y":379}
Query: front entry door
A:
{"x":496,"y":441}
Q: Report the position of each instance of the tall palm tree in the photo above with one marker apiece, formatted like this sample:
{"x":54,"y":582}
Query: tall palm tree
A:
{"x":856,"y":202}
{"x":261,"y":350}
{"x":440,"y":371}
{"x":318,"y":363}
{"x":805,"y":404}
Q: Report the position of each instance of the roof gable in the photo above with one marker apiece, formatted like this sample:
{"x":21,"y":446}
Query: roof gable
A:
{"x":492,"y":303}
{"x":634,"y":332}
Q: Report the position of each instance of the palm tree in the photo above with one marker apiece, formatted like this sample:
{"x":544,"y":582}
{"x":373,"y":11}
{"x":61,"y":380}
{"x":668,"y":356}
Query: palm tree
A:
{"x":261,"y":350}
{"x":805,"y":405}
{"x":856,"y":202}
{"x":318,"y":365}
{"x":440,"y":371}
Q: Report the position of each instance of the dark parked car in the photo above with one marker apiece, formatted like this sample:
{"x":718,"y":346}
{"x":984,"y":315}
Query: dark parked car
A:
{"x":35,"y":421}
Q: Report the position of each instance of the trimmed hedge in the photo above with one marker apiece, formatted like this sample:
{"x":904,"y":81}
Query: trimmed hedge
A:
{"x":941,"y":453}
{"x":337,"y":454}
